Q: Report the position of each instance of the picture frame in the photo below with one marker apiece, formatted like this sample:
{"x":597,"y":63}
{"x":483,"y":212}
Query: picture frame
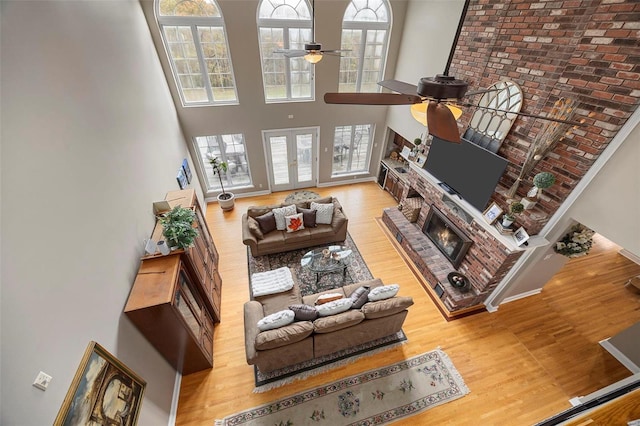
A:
{"x":520,"y":236}
{"x":492,"y":213}
{"x":421,"y":159}
{"x":187,"y":170}
{"x":103,"y":391}
{"x":182,"y":179}
{"x":406,"y":152}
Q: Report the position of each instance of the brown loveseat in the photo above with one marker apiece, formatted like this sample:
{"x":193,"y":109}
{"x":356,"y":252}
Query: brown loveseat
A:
{"x":275,"y":241}
{"x":304,"y":340}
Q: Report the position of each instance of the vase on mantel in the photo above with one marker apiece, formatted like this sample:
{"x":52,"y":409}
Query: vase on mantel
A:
{"x":507,"y":221}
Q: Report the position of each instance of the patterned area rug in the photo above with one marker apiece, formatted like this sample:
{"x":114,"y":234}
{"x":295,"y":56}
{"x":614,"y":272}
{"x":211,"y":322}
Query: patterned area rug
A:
{"x":375,"y":397}
{"x":357,"y":269}
{"x":299,"y":196}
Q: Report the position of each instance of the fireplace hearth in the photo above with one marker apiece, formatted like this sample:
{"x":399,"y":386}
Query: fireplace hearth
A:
{"x":447,"y":237}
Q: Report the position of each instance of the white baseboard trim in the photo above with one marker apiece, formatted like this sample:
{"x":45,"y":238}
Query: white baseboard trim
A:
{"x":174,"y":400}
{"x":522,"y":295}
{"x":347,"y":182}
{"x":622,"y":358}
{"x":632,"y":257}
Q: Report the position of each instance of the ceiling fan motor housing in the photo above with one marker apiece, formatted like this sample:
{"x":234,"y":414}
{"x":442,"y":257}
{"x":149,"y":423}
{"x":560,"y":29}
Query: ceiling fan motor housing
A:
{"x":442,"y":87}
{"x":313,"y":47}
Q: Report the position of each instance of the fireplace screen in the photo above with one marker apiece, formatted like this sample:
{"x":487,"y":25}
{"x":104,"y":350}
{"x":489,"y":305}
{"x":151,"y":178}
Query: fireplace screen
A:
{"x":449,"y":239}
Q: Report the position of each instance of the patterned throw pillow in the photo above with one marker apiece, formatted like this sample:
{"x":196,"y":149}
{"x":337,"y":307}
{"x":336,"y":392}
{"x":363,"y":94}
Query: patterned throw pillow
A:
{"x":280,"y":214}
{"x":294,"y":222}
{"x":334,"y":307}
{"x":360,"y":296}
{"x":276,"y":320}
{"x":309,"y":217}
{"x":384,"y":292}
{"x":304,"y":312}
{"x":254,"y":227}
{"x":329,"y":297}
{"x":324,"y":213}
{"x":267,"y":222}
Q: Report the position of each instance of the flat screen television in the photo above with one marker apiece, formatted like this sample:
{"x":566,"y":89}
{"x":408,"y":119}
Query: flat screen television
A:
{"x":468,"y":169}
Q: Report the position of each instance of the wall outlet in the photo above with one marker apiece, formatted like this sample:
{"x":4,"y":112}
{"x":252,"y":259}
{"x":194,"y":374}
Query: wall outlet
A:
{"x":42,"y":380}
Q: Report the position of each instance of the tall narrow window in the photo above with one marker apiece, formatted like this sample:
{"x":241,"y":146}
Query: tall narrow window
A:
{"x":351,"y":149}
{"x":195,"y":40}
{"x":285,"y":24}
{"x":365,"y":34}
{"x":230,"y":149}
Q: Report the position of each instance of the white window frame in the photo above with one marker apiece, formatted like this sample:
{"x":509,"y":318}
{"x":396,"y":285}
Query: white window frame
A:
{"x":193,"y":22}
{"x":366,"y":26}
{"x":350,"y":151}
{"x":285,"y":25}
{"x":207,"y":169}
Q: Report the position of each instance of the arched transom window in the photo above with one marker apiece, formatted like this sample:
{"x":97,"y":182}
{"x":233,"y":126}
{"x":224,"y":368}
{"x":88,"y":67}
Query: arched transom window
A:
{"x":195,"y":39}
{"x":285,"y":24}
{"x":365,"y":34}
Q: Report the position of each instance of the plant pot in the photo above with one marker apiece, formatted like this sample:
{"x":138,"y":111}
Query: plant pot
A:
{"x":227,"y":201}
{"x":506,"y":221}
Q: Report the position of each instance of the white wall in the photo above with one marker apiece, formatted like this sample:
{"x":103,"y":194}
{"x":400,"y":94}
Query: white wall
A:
{"x":90,"y":139}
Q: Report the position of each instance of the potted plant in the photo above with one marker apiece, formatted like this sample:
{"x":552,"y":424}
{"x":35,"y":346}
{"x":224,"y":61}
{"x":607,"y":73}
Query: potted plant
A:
{"x":515,"y":208}
{"x":542,"y":180}
{"x":178,"y":227}
{"x":226,"y":200}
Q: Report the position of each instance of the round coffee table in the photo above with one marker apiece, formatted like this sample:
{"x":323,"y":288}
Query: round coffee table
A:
{"x":327,"y":260}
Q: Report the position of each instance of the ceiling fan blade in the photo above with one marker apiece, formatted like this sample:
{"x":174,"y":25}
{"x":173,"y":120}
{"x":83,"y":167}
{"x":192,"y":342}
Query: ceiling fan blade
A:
{"x":481,"y":92}
{"x":334,"y":51}
{"x":399,"y":86}
{"x":442,"y":123}
{"x":371,"y":99}
{"x":524,"y":114}
{"x":291,"y":53}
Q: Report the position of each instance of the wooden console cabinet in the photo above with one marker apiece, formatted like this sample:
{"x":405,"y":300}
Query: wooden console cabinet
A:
{"x":175,"y":299}
{"x":166,"y":307}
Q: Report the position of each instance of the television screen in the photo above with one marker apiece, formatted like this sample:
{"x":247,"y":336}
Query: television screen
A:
{"x":468,"y":169}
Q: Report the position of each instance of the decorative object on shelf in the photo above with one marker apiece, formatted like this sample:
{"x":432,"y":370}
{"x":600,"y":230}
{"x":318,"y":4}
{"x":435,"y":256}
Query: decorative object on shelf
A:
{"x":150,"y":247}
{"x":182,"y":179}
{"x":458,"y":281}
{"x":417,"y":145}
{"x":515,"y":208}
{"x":521,"y":236}
{"x":163,"y":248}
{"x":103,"y":390}
{"x":421,"y":159}
{"x":492,"y":213}
{"x":576,"y":243}
{"x":502,"y":229}
{"x":542,"y":180}
{"x":178,"y":227}
{"x":547,"y":139}
{"x":225,"y":199}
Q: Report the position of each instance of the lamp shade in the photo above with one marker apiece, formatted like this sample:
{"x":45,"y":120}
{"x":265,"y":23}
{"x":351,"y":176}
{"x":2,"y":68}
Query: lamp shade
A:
{"x":313,"y":57}
{"x":419,"y":112}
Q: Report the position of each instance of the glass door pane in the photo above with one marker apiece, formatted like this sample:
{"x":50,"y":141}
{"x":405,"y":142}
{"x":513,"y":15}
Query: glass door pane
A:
{"x":304,"y":145}
{"x":279,"y":160}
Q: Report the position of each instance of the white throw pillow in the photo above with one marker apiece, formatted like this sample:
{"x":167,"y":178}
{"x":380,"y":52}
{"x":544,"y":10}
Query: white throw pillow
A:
{"x":334,"y":307}
{"x":384,"y":292}
{"x":324,"y":212}
{"x":294,"y":222}
{"x":280,"y":213}
{"x":277,"y":320}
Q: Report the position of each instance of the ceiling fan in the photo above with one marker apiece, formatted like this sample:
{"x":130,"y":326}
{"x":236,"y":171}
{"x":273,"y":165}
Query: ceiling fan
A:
{"x":438,"y":97}
{"x":313,"y":51}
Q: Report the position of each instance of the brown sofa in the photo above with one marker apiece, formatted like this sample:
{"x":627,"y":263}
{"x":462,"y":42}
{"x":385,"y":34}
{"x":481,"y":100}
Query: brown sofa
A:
{"x":304,"y":340}
{"x":279,"y":241}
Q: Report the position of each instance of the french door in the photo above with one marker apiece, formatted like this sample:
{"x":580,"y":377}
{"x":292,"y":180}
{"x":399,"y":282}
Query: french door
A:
{"x":291,"y":158}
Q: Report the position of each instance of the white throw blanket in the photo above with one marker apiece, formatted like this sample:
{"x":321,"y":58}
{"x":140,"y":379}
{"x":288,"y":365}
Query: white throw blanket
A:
{"x":271,"y":282}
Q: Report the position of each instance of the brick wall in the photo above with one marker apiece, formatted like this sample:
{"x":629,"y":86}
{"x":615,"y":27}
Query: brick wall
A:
{"x":584,"y":49}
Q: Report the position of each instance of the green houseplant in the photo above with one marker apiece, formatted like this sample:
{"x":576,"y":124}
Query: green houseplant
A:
{"x":542,"y":180}
{"x":514,"y":209}
{"x":178,"y":227}
{"x":225,"y":199}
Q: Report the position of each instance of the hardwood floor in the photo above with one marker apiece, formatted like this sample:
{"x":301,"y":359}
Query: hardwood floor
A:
{"x":522,"y":363}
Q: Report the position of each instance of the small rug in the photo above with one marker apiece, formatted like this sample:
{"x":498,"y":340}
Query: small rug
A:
{"x":299,"y":196}
{"x":357,"y":269}
{"x":375,"y":397}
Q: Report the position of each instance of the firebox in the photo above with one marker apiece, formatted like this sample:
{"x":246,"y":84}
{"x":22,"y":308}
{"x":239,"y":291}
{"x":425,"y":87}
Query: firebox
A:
{"x":450,"y":240}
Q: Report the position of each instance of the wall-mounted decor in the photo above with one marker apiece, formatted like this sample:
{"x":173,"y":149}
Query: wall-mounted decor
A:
{"x":182,"y":179}
{"x":104,"y":391}
{"x":492,"y":213}
{"x":187,"y":170}
{"x":520,"y":236}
